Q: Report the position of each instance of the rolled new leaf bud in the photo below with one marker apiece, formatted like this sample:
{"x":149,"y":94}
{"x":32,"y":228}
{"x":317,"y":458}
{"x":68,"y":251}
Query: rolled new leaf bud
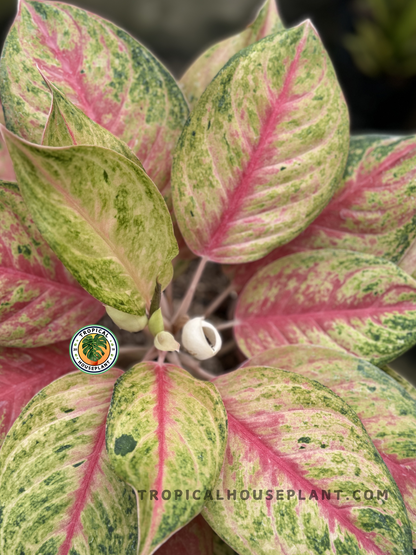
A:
{"x":128,"y":322}
{"x":164,"y":341}
{"x":156,"y":322}
{"x":201,"y":339}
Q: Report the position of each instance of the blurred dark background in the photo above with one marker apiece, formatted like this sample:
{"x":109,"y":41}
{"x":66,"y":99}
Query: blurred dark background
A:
{"x":372,"y":44}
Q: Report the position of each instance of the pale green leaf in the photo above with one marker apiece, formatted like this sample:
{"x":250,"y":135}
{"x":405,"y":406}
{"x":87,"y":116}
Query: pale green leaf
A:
{"x":165,"y":431}
{"x":103,"y":217}
{"x":58,"y":492}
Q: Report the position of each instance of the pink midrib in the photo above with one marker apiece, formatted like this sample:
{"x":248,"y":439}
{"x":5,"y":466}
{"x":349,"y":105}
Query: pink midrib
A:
{"x":239,"y":193}
{"x":160,"y":414}
{"x":370,"y":311}
{"x":72,"y":74}
{"x":242,"y":430}
{"x":358,"y":186}
{"x":82,"y":493}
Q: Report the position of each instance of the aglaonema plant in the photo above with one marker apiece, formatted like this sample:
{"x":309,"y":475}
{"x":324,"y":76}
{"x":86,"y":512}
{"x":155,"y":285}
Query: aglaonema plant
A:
{"x":309,"y":447}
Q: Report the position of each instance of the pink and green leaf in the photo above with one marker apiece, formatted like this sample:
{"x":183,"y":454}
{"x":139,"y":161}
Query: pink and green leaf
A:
{"x":104,"y":71}
{"x":40,"y":301}
{"x":165,"y":431}
{"x":349,"y":301}
{"x":58,"y":492}
{"x":289,"y":433}
{"x":373,"y":211}
{"x":103,"y":217}
{"x":24,"y":372}
{"x":263,"y":150}
{"x":68,"y":125}
{"x":205,"y":68}
{"x":196,"y":538}
{"x":387,"y":412}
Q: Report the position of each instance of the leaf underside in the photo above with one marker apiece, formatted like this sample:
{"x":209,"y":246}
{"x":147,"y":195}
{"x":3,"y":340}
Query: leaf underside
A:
{"x":196,"y":538}
{"x":287,"y":432}
{"x":387,"y":412}
{"x":58,"y":492}
{"x":263,"y":150}
{"x":40,"y":301}
{"x":165,"y":431}
{"x":339,"y":299}
{"x":104,"y":71}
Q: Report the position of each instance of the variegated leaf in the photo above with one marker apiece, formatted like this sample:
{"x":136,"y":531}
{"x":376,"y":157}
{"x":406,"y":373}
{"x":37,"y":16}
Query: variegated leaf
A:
{"x":68,"y":125}
{"x":349,"y":301}
{"x":204,"y":69}
{"x":291,"y":437}
{"x":263,"y":150}
{"x":40,"y":301}
{"x":23,"y":372}
{"x":386,"y":410}
{"x":166,"y":431}
{"x":410,"y":388}
{"x":103,"y":217}
{"x":196,"y":538}
{"x":111,"y":77}
{"x":58,"y":492}
{"x":374,"y":210}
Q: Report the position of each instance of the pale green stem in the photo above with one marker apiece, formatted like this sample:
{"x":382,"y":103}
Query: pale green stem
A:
{"x":216,"y":302}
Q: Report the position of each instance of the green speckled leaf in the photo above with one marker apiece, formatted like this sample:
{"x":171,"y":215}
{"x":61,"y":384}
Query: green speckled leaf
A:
{"x":386,"y":410}
{"x":373,"y":211}
{"x":24,"y":372}
{"x":292,"y":434}
{"x":102,"y":70}
{"x":40,"y":302}
{"x":204,"y":69}
{"x":103,"y":217}
{"x":348,"y":301}
{"x":263,"y":151}
{"x":68,"y":125}
{"x":196,"y":538}
{"x":165,"y":431}
{"x":58,"y":492}
{"x":410,"y":388}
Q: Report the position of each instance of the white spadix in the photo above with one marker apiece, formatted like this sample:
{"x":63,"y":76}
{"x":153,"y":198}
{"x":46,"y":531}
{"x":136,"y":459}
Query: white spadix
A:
{"x":201,"y":339}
